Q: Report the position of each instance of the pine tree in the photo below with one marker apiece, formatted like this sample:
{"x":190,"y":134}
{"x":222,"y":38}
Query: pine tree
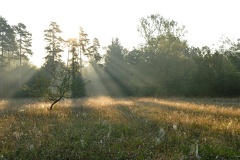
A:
{"x":83,"y":42}
{"x":6,"y":40}
{"x":54,"y":46}
{"x":24,"y":42}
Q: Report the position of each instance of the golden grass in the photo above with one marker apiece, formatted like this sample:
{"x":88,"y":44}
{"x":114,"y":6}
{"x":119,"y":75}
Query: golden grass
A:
{"x":218,"y":117}
{"x":120,"y":128}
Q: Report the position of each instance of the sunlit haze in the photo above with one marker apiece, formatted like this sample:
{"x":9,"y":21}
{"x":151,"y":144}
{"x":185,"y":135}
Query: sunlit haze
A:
{"x":206,"y":21}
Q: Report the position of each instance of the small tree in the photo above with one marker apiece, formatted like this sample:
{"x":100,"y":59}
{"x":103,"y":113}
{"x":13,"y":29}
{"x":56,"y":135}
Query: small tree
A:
{"x":53,"y":82}
{"x":51,"y":87}
{"x":60,"y":85}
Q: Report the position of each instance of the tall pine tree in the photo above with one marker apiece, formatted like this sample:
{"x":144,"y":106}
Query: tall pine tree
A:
{"x":24,"y":42}
{"x":54,"y":46}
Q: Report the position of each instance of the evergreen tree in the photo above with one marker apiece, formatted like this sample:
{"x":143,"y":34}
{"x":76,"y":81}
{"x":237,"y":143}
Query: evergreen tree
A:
{"x":94,"y":55}
{"x":6,"y":44}
{"x":83,"y":43}
{"x":24,"y":42}
{"x":77,"y":84}
{"x":54,"y":46}
{"x":116,"y":65}
{"x":6,"y":40}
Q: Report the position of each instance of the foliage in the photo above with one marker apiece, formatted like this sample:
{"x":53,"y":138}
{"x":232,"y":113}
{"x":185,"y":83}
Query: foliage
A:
{"x":15,"y":43}
{"x":61,"y":81}
{"x":24,"y":42}
{"x":93,"y":53}
{"x":160,"y":65}
{"x":77,"y":83}
{"x":164,"y":65}
{"x":115,"y":65}
{"x":155,"y":26}
{"x":10,"y":81}
{"x":7,"y":43}
{"x":54,"y":45}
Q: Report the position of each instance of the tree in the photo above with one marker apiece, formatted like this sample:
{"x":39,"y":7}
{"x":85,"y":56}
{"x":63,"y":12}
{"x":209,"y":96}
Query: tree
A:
{"x":7,"y":40}
{"x":57,"y":77}
{"x":52,"y":87}
{"x":55,"y":80}
{"x":6,"y":44}
{"x":54,"y":46}
{"x":77,"y":84}
{"x":161,"y":61}
{"x":155,"y":26}
{"x":93,"y":51}
{"x":115,"y":52}
{"x":83,"y":42}
{"x":116,"y":66}
{"x":24,"y":42}
{"x":12,"y":51}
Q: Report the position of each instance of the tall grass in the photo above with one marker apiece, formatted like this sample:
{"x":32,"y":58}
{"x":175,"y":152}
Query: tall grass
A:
{"x":120,"y":128}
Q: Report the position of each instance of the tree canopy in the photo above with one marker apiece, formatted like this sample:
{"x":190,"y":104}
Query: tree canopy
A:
{"x":163,"y":65}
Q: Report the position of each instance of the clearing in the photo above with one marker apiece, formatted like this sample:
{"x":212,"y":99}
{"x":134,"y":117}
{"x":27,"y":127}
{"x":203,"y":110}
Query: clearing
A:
{"x":120,"y":128}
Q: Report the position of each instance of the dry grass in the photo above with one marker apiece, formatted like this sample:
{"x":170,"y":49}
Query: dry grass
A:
{"x":120,"y":128}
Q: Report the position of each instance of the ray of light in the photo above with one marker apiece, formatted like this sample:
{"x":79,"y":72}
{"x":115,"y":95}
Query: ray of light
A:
{"x":123,"y":70}
{"x":95,"y":87}
{"x":22,"y":78}
{"x":102,"y":83}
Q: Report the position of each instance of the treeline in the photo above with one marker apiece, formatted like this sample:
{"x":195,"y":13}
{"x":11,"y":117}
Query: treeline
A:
{"x":55,"y":79}
{"x":15,"y":48}
{"x":165,"y":65}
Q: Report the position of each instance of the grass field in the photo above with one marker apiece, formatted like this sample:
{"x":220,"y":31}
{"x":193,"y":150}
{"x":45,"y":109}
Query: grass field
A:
{"x":120,"y":128}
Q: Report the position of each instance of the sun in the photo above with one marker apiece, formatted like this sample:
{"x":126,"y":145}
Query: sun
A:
{"x":68,"y":32}
{"x":37,"y":58}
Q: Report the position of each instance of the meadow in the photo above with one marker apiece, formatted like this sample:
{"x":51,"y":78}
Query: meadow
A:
{"x":120,"y":128}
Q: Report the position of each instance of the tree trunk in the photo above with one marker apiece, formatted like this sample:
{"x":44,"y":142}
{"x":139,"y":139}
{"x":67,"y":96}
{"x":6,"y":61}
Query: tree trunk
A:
{"x":57,"y":100}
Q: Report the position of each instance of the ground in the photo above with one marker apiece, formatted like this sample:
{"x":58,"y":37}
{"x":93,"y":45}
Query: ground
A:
{"x":120,"y":128}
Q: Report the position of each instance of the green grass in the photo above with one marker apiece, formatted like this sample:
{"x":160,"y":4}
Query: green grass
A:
{"x":117,"y":128}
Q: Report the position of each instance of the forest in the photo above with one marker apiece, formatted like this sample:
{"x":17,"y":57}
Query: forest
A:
{"x":163,"y":65}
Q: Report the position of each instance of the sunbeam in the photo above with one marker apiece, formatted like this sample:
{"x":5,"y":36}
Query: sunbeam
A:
{"x":122,"y":71}
{"x":22,"y":76}
{"x":101,"y":83}
{"x":96,"y":86}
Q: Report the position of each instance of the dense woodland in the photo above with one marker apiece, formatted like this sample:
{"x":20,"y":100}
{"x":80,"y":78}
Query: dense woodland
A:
{"x":163,"y":65}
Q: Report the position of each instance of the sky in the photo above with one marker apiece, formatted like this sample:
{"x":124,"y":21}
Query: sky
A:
{"x":206,"y":21}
